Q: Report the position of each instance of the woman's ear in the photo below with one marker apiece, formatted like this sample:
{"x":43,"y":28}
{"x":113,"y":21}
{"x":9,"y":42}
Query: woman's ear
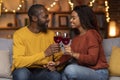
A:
{"x":34,"y":18}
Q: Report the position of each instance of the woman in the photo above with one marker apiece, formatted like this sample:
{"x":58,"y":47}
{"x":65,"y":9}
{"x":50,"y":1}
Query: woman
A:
{"x":89,"y":62}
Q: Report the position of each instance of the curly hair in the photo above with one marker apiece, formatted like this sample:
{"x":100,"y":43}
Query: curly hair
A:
{"x":87,"y":18}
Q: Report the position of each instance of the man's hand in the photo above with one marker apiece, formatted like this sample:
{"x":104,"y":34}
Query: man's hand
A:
{"x":51,"y":66}
{"x":53,"y":48}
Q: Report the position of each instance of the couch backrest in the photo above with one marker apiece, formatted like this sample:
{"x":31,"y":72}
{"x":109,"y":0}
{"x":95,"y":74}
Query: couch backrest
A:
{"x":6,"y":44}
{"x":107,"y":45}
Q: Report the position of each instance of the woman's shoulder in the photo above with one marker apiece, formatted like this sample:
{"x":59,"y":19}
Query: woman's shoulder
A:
{"x":91,"y":31}
{"x":93,"y":34}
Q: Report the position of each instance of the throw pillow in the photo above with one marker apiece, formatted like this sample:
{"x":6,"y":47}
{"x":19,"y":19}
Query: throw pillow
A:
{"x":5,"y":70}
{"x":114,"y":64}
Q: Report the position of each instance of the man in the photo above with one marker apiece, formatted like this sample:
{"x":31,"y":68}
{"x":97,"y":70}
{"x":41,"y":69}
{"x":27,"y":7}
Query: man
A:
{"x":34,"y":47}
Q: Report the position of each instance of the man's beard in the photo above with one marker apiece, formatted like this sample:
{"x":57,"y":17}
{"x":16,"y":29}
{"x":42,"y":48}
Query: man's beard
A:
{"x":42,"y":27}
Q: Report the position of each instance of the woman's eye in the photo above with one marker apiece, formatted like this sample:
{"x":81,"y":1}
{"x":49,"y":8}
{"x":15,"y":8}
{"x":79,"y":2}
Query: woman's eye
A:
{"x":73,"y":18}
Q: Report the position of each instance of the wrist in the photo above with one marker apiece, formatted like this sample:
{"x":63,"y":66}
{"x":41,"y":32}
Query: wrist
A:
{"x":72,"y":54}
{"x":75,"y":55}
{"x":57,"y":63}
{"x":45,"y":53}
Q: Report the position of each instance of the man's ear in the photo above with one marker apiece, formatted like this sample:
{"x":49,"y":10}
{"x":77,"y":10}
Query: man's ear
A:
{"x":34,"y":18}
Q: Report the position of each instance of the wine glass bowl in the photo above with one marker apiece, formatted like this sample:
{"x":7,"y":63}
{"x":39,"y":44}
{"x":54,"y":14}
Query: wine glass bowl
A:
{"x":58,"y":37}
{"x":57,"y":33}
{"x":65,"y":39}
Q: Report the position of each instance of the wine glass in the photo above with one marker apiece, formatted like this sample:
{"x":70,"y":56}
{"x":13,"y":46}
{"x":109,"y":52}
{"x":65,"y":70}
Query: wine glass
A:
{"x":58,"y":37}
{"x":65,"y":39}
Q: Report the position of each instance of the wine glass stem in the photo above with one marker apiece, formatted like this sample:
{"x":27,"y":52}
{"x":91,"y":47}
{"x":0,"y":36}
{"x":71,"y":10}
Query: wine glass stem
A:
{"x":53,"y":58}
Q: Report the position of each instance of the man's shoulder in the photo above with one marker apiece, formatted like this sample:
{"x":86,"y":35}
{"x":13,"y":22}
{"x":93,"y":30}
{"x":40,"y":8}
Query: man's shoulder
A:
{"x":50,"y":31}
{"x":21,"y":30}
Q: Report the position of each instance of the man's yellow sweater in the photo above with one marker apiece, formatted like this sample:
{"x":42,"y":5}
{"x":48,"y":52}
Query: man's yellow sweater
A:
{"x":28,"y":48}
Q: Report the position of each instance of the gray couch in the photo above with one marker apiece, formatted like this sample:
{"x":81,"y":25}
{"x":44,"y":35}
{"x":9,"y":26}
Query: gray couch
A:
{"x":6,"y":44}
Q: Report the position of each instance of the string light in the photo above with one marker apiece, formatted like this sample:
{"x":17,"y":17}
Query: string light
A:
{"x":71,"y":4}
{"x":5,"y":9}
{"x":91,"y":3}
{"x":107,"y":11}
{"x":52,"y":5}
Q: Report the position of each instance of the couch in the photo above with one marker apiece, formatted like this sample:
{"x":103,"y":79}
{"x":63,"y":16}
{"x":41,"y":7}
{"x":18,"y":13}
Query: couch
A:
{"x":6,"y":56}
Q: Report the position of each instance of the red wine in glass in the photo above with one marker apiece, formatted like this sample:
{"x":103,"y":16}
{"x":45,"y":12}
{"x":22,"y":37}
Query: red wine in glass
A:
{"x":65,"y":39}
{"x":58,"y":37}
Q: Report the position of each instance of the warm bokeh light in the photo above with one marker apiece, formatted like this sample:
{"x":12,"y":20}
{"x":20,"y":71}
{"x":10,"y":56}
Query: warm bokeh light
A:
{"x":112,"y":29}
{"x":71,"y":4}
{"x":0,"y":7}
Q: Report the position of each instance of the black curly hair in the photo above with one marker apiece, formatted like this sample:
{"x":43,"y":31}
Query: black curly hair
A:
{"x":87,"y":18}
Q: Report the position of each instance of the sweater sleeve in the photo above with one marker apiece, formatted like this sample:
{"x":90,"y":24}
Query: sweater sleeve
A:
{"x":92,"y":55}
{"x":19,"y":57}
{"x":64,"y":59}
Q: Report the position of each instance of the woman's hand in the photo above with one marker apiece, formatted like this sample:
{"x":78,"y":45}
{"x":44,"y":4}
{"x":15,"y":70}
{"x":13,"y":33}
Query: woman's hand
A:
{"x":68,"y":50}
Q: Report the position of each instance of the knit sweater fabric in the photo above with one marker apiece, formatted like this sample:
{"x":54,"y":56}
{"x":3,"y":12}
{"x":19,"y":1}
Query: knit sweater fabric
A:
{"x":29,"y":47}
{"x":89,"y":46}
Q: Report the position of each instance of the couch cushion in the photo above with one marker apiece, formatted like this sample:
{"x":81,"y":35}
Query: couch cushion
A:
{"x":107,"y":45}
{"x":114,"y":64}
{"x":114,"y":78}
{"x":6,"y":44}
{"x":5,"y":67}
{"x":5,"y":79}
